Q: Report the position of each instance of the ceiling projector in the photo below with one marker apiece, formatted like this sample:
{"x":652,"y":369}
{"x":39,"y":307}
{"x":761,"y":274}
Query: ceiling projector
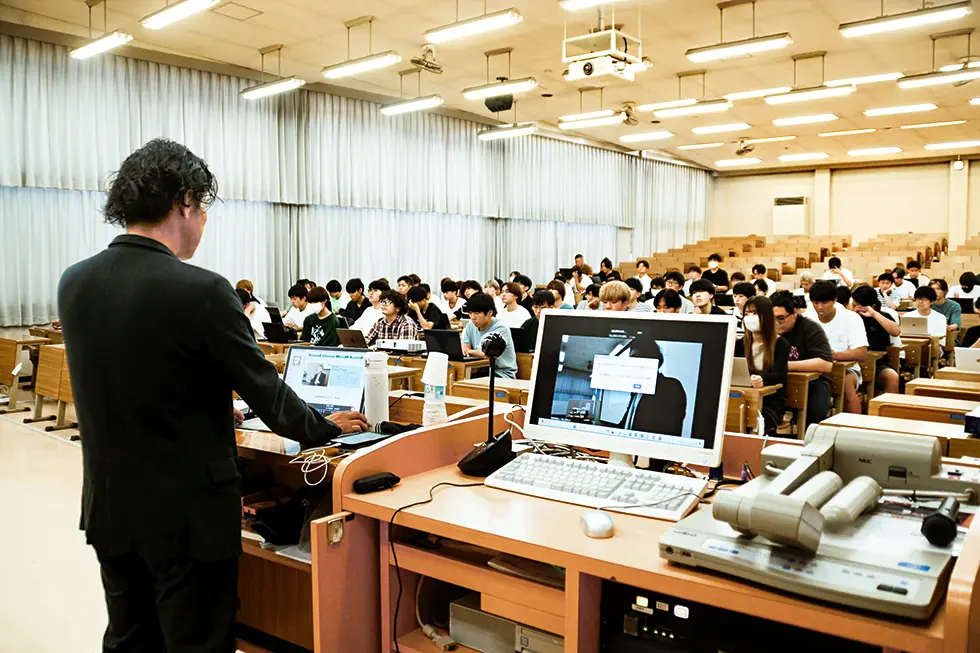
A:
{"x":598,"y":67}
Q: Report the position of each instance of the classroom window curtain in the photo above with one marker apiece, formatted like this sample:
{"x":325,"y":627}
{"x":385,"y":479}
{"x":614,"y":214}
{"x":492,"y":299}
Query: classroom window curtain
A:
{"x":539,"y":248}
{"x":672,"y":206}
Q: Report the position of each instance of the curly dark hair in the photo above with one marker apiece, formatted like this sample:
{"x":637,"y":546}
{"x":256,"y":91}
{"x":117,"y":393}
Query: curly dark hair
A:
{"x":154,"y":179}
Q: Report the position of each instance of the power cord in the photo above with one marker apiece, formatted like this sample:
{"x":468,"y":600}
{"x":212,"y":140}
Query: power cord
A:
{"x":619,"y":507}
{"x":391,"y":541}
{"x":315,"y":460}
{"x":444,"y":642}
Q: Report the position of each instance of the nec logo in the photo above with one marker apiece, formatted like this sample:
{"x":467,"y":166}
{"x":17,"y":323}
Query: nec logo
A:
{"x":866,"y":461}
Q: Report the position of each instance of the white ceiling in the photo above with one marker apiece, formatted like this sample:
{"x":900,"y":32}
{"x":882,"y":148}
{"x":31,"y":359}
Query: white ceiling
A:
{"x":314,"y":35}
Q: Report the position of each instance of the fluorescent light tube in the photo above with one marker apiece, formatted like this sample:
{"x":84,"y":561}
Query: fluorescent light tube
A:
{"x":412,"y":104}
{"x":507,"y":87}
{"x":906,"y":20}
{"x":598,"y":121}
{"x":875,"y":151}
{"x":471,"y":26}
{"x":893,"y":111}
{"x":738,"y":48}
{"x":948,"y":123}
{"x":952,"y":146}
{"x":364,"y":64}
{"x":774,"y":139}
{"x":804,"y":156}
{"x":705,"y":106}
{"x":175,"y":12}
{"x":763,"y":92}
{"x":948,"y":68}
{"x":728,"y":163}
{"x":719,"y":129}
{"x":100,"y":45}
{"x":848,"y":132}
{"x":670,"y":104}
{"x":585,"y":116}
{"x":867,"y":79}
{"x":935,"y":79}
{"x":975,"y":101}
{"x":649,"y":136}
{"x":507,"y":131}
{"x":578,"y":5}
{"x":813,"y":93}
{"x":804,"y":120}
{"x":271,"y":88}
{"x":699,"y":146}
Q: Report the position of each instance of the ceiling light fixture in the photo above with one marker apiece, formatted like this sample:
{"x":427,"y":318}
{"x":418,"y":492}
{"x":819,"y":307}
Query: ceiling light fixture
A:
{"x":578,"y":5}
{"x":418,"y":103}
{"x":350,"y":67}
{"x":875,"y":151}
{"x":599,"y":121}
{"x":176,"y":12}
{"x":704,"y":106}
{"x":948,"y":123}
{"x":506,"y":87}
{"x":728,"y":163}
{"x":847,"y":132}
{"x":649,"y":136}
{"x":749,"y":95}
{"x":586,"y":116}
{"x":774,"y":139}
{"x":699,"y":146}
{"x":950,"y":67}
{"x":957,"y":145}
{"x":670,"y":104}
{"x":469,"y":27}
{"x":687,"y":106}
{"x":106,"y":42}
{"x":812,"y":93}
{"x":804,"y":156}
{"x":804,"y":120}
{"x":893,"y":111}
{"x":512,"y":130}
{"x":720,"y":129}
{"x":975,"y":101}
{"x":907,"y":20}
{"x":935,"y":79}
{"x":867,"y":79}
{"x":731,"y":49}
{"x":276,"y":86}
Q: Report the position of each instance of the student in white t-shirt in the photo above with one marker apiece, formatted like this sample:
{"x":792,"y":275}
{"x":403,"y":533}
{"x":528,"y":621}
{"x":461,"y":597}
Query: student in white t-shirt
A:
{"x":693,"y":274}
{"x":903,"y":288}
{"x":257,"y":314}
{"x":968,"y":288}
{"x":837,"y":273}
{"x":514,"y":315}
{"x":372,"y":313}
{"x":806,"y":282}
{"x":300,"y":308}
{"x":642,"y":267}
{"x":936,"y":321}
{"x":915,"y":276}
{"x":451,"y":300}
{"x":674,"y":280}
{"x":886,"y":292}
{"x":848,"y":339}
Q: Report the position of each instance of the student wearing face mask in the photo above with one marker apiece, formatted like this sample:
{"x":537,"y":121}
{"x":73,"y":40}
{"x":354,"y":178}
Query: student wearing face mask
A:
{"x":715,"y":274}
{"x":767,"y":355}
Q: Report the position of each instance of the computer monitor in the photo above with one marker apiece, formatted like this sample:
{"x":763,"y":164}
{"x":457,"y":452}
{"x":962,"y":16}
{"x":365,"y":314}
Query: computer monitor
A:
{"x":329,"y":379}
{"x":633,"y":384}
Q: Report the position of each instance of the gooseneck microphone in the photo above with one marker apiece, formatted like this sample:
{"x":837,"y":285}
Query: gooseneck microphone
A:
{"x":497,"y":451}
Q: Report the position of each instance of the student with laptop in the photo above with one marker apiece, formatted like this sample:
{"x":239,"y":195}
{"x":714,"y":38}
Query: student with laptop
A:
{"x":809,"y":351}
{"x":320,"y":329}
{"x":338,"y":299}
{"x":915,"y":276}
{"x":847,"y":337}
{"x":372,"y":313}
{"x":904,"y":289}
{"x":454,"y":303}
{"x":257,"y":314}
{"x":358,"y":302}
{"x":301,"y":308}
{"x":514,"y":315}
{"x":668,"y":301}
{"x":702,"y":294}
{"x":394,"y":323}
{"x":767,"y":356}
{"x":642,"y":267}
{"x":886,"y":292}
{"x":530,"y":328}
{"x":716,"y":275}
{"x":837,"y":273}
{"x":693,"y":274}
{"x":806,"y":282}
{"x":249,"y":287}
{"x":882,"y":330}
{"x":968,"y":288}
{"x":591,"y":301}
{"x":424,"y":312}
{"x":936,"y":321}
{"x":949,"y":309}
{"x":482,"y":321}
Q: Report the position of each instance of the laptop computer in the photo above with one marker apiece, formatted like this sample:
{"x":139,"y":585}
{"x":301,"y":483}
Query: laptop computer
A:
{"x":448,"y":342}
{"x":967,"y":358}
{"x":278,"y":333}
{"x":329,"y":379}
{"x":724,"y":299}
{"x":741,"y":377}
{"x":914,"y":325}
{"x":352,"y":338}
{"x":966,"y":304}
{"x":521,"y":343}
{"x":274,"y":314}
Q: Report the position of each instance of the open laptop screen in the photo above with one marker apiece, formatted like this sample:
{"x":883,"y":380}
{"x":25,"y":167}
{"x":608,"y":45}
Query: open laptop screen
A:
{"x":329,"y":379}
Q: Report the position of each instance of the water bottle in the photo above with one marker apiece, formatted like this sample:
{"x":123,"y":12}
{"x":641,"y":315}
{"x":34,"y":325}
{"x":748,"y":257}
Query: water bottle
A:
{"x":434,"y":380}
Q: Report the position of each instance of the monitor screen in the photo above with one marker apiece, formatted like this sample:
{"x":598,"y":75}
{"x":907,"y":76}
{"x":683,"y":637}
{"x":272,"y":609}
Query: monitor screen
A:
{"x":646,"y":384}
{"x":329,"y":379}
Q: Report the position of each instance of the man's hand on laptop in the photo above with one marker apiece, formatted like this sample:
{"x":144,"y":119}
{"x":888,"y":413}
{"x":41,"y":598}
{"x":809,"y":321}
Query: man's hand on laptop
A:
{"x":349,"y":421}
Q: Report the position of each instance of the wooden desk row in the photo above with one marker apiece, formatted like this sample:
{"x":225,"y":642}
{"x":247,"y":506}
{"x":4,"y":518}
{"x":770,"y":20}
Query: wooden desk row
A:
{"x":53,"y":382}
{"x":11,"y":355}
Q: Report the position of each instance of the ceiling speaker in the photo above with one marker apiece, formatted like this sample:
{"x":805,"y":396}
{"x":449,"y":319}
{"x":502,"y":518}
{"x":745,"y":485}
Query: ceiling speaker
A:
{"x":499,"y":103}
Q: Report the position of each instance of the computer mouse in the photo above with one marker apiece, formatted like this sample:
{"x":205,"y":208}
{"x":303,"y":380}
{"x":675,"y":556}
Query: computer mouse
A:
{"x":597,"y":524}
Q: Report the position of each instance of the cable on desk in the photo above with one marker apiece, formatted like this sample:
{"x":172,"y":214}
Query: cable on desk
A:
{"x":649,"y":505}
{"x":405,"y":394}
{"x":391,"y":544}
{"x":720,"y":484}
{"x":314,"y":460}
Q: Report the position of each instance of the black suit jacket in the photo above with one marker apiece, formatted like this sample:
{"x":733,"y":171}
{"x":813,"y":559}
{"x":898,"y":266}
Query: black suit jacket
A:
{"x":156,"y":347}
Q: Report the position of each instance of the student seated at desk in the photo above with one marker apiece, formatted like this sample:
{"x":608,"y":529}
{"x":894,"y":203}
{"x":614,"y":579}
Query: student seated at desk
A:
{"x":674,"y":280}
{"x":844,"y":297}
{"x":338,"y":299}
{"x":514,"y":315}
{"x":703,"y":295}
{"x":569,"y":294}
{"x":716,"y":275}
{"x":848,"y":340}
{"x":493,"y":288}
{"x":904,"y":289}
{"x":736,"y":277}
{"x":837,"y":273}
{"x":249,"y":287}
{"x":605,"y":268}
{"x":257,"y":314}
{"x":320,"y":329}
{"x":372,"y":313}
{"x":886,"y":292}
{"x":453,"y":302}
{"x":614,"y":276}
{"x":527,"y":286}
{"x":668,"y":301}
{"x":309,"y":284}
{"x":915,"y":276}
{"x":936,"y":321}
{"x":656,"y":285}
{"x":968,"y":288}
{"x":591,"y":301}
{"x":881,"y":329}
{"x":301,"y":308}
{"x":762,"y":288}
{"x":559,"y":289}
{"x":542,"y":299}
{"x":758,"y":272}
{"x":806,"y":282}
{"x":395,"y":323}
{"x":693,"y":274}
{"x":952,"y":311}
{"x":636,"y":292}
{"x":581,"y":277}
{"x":642,"y":267}
{"x":617,"y":296}
{"x":482,"y":321}
{"x":741,"y":294}
{"x":809,"y":351}
{"x":423,"y":312}
{"x":767,"y":355}
{"x":358,"y":302}
{"x":403,"y":283}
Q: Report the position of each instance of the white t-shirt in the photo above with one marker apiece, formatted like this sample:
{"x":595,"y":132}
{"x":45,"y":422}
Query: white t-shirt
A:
{"x":837,"y":278}
{"x":569,"y":296}
{"x":687,"y":306}
{"x":905,"y":291}
{"x":449,"y":310}
{"x":645,"y":280}
{"x":922,"y":279}
{"x":368,"y":319}
{"x":337,"y":305}
{"x":936,"y":324}
{"x":895,"y":341}
{"x":296,"y":316}
{"x":258,"y":317}
{"x":845,"y":331}
{"x":514,"y":319}
{"x":957,"y":292}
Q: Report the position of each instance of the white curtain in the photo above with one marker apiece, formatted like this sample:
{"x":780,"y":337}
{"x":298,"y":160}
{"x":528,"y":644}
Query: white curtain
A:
{"x":672,"y":206}
{"x":538,"y":248}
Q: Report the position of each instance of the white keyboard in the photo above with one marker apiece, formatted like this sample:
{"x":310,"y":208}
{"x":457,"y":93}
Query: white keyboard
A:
{"x":585,"y":483}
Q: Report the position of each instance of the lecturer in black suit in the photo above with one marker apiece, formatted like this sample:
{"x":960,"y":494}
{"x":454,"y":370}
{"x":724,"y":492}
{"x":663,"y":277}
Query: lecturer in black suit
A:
{"x":156,"y":347}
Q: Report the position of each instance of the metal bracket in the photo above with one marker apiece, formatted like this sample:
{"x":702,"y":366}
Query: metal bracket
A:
{"x":966,"y":31}
{"x":810,"y":55}
{"x":358,"y":21}
{"x":691,"y":73}
{"x":335,"y":529}
{"x":498,"y":51}
{"x":269,"y":49}
{"x":734,"y":3}
{"x":93,"y":3}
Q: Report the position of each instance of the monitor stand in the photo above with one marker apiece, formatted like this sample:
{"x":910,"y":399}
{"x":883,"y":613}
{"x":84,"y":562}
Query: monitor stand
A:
{"x":626,"y":460}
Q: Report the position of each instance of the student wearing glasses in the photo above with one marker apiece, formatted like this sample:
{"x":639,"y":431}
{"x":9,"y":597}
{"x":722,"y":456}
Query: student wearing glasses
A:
{"x":395,"y":323}
{"x":809,"y":351}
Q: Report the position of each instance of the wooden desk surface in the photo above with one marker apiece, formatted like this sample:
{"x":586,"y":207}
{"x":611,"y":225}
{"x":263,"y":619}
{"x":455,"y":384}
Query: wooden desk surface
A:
{"x":27,"y":341}
{"x":950,"y":388}
{"x":936,"y":409}
{"x":549,"y":531}
{"x":504,"y":384}
{"x":895,"y":425}
{"x":957,"y":374}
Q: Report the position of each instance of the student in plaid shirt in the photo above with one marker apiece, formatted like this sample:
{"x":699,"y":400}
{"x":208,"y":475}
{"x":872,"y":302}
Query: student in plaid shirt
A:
{"x":395,"y":325}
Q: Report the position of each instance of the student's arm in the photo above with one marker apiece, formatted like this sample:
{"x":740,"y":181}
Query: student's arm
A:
{"x":857,"y":355}
{"x":857,"y":342}
{"x":956,"y":317}
{"x":817,"y":345}
{"x":846,"y":277}
{"x":811,"y":365}
{"x":724,"y":286}
{"x":423,"y":323}
{"x":372,"y":335}
{"x":889,"y":325}
{"x":469,"y":349}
